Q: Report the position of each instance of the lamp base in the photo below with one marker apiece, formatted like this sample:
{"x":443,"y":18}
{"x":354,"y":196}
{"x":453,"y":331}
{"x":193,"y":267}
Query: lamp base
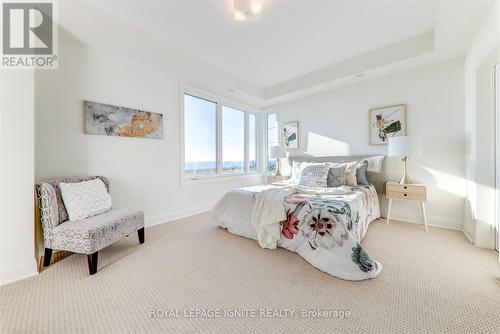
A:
{"x":278,"y":171}
{"x":405,"y":179}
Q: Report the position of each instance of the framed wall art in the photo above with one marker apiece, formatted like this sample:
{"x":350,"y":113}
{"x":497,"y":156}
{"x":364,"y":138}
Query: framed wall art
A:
{"x":290,"y":134}
{"x":387,"y":122}
{"x":110,"y":120}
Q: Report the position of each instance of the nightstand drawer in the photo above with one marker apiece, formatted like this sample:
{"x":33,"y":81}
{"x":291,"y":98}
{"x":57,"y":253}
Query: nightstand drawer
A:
{"x":421,"y":197}
{"x":406,"y":188}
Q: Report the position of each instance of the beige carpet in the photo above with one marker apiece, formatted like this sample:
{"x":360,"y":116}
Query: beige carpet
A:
{"x":434,"y":282}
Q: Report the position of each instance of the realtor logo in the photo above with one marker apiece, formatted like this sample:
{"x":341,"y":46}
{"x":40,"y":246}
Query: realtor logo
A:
{"x":28,"y":35}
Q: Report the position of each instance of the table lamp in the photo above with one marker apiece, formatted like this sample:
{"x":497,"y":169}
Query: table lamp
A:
{"x":277,"y":152}
{"x":405,"y":146}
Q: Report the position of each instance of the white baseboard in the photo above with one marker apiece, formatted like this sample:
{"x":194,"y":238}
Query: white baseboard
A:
{"x":436,"y":221}
{"x":441,"y":222}
{"x":179,"y":214}
{"x":17,"y":273}
{"x":468,"y":236}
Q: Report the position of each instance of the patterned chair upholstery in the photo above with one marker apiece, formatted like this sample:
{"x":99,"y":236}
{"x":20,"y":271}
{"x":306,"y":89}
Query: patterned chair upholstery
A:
{"x":86,"y":236}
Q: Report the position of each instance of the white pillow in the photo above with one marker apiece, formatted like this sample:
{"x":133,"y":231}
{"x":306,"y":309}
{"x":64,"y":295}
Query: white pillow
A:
{"x":350,"y":173}
{"x":314,"y":175}
{"x":85,"y":199}
{"x":375,"y":163}
{"x":298,"y":167}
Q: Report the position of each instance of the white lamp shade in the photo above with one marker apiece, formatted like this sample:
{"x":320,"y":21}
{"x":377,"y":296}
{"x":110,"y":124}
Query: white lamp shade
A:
{"x":277,"y":152}
{"x":405,"y":146}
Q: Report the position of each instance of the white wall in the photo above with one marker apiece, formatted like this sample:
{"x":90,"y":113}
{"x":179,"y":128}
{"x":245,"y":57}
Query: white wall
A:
{"x":336,"y":123}
{"x":480,"y":135}
{"x":144,"y":173}
{"x":17,"y":257}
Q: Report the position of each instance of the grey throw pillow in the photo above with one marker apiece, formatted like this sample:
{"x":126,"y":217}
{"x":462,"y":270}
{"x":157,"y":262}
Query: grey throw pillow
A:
{"x":336,"y":177}
{"x":314,"y":175}
{"x":361,"y":172}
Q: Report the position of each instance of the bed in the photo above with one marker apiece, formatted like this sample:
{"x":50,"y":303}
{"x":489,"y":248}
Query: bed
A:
{"x":323,"y":225}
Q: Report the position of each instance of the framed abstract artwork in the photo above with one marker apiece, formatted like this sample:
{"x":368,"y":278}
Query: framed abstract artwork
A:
{"x":290,"y":134}
{"x":387,"y":122}
{"x":109,"y":120}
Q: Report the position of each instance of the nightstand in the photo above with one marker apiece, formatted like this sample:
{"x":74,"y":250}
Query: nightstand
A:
{"x":407,"y":192}
{"x":274,"y":178}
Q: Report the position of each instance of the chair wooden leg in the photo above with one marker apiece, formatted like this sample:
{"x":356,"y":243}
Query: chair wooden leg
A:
{"x":47,"y":257}
{"x":92,"y":261}
{"x":140,"y":233}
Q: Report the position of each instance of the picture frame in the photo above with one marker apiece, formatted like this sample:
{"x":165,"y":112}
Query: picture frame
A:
{"x":386,"y":122}
{"x":290,"y":135}
{"x":111,"y":120}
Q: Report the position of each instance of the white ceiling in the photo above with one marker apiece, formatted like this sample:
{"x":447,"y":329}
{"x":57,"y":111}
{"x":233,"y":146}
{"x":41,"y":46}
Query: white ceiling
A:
{"x":297,"y":48}
{"x":291,"y":39}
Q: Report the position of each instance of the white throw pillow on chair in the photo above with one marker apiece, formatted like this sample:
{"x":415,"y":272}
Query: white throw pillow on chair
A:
{"x":85,"y":199}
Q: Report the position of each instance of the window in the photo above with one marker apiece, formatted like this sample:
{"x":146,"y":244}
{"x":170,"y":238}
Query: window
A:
{"x":200,"y":136}
{"x":219,"y":138}
{"x":252,"y":142}
{"x":272,"y":140}
{"x":233,"y":140}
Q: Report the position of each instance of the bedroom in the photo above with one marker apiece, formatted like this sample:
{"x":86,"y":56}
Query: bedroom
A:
{"x":213,"y":100}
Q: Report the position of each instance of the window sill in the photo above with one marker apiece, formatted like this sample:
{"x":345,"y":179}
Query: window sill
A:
{"x":217,"y":178}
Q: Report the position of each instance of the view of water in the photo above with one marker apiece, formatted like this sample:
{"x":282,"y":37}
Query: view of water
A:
{"x":202,"y":167}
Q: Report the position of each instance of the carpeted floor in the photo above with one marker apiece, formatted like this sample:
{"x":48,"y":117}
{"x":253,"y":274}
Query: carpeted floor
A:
{"x":434,"y":282}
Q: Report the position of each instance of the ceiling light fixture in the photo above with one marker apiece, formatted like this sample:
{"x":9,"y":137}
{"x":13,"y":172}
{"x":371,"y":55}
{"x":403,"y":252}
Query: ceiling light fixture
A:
{"x":247,"y":10}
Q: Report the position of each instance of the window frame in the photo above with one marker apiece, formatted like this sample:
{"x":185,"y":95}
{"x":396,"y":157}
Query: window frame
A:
{"x":265,"y":162}
{"x":257,"y":142}
{"x":220,"y":101}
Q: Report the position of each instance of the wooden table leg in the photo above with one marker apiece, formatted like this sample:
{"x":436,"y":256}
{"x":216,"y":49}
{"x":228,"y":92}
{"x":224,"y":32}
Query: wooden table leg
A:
{"x":422,"y":206}
{"x":389,"y":211}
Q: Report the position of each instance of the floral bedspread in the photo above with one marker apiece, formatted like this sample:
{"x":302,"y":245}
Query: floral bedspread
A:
{"x":326,"y":230}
